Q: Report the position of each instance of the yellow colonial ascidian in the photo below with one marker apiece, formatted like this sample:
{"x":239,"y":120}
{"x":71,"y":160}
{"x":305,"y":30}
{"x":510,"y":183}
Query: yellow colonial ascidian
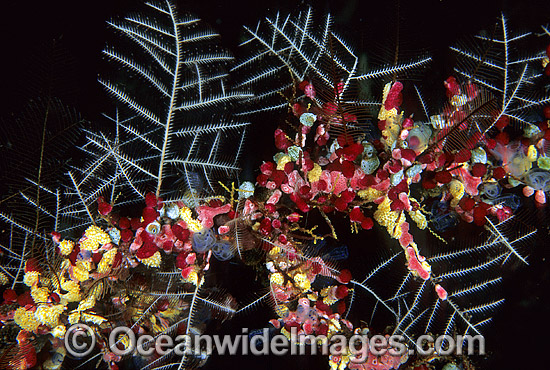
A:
{"x":393,"y":120}
{"x":334,"y":327}
{"x":315,"y":174}
{"x":25,"y":319}
{"x":327,"y":298}
{"x":170,"y":313}
{"x":456,"y":188}
{"x":370,"y":194}
{"x":281,"y":310}
{"x":107,"y":261}
{"x":302,"y":281}
{"x":80,"y":272}
{"x":59,"y":331}
{"x":31,"y":278}
{"x":49,"y":315}
{"x":193,"y":278}
{"x":398,"y":229}
{"x":90,"y":300}
{"x":286,"y":333}
{"x":192,"y":224}
{"x":55,"y":361}
{"x":284,"y":159}
{"x":393,"y":127}
{"x":87,"y":303}
{"x":391,"y":220}
{"x":419,"y":218}
{"x":276,"y":278}
{"x":40,"y":295}
{"x":459,"y":100}
{"x":73,"y":291}
{"x":66,"y":247}
{"x":94,"y":319}
{"x":100,"y":236}
{"x":74,"y":317}
{"x":384,"y":215}
{"x":159,"y":325}
{"x":153,"y":261}
{"x":88,"y":244}
{"x":383,"y":113}
{"x":273,"y":252}
{"x":95,"y":237}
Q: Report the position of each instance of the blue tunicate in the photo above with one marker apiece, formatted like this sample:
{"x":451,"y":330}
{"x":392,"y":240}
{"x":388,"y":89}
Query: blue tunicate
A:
{"x":315,"y":248}
{"x":337,"y":254}
{"x":538,"y":179}
{"x":491,"y":190}
{"x":440,"y":216}
{"x":439,"y":208}
{"x":321,"y":282}
{"x":222,"y":250}
{"x":509,"y":200}
{"x":203,"y":240}
{"x":443,"y":222}
{"x":326,"y":251}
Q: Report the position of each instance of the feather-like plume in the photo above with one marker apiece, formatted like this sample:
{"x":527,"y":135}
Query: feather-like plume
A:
{"x":288,"y":49}
{"x":32,"y":166}
{"x":180,"y":126}
{"x":470,"y":277}
{"x":492,"y":61}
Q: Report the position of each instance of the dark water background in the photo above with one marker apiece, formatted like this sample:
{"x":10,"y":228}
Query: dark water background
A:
{"x":515,"y":340}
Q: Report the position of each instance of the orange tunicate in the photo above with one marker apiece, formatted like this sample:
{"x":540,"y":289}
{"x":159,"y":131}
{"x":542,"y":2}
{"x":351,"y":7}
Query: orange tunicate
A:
{"x":528,"y":191}
{"x":540,"y":197}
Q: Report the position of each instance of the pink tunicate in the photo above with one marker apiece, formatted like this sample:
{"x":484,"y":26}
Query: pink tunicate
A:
{"x":339,"y":182}
{"x":287,"y":189}
{"x":274,"y":198}
{"x":403,"y":197}
{"x":382,"y":186}
{"x":190,"y":259}
{"x":207,"y":214}
{"x":441,"y":292}
{"x":249,"y":207}
{"x":528,"y":191}
{"x":178,"y":246}
{"x":540,"y":197}
{"x":406,"y":238}
{"x":310,"y":91}
{"x":471,"y":183}
{"x":415,"y":265}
